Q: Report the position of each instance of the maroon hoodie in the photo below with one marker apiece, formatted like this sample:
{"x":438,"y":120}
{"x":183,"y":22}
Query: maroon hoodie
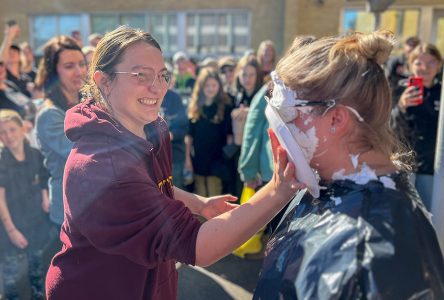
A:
{"x":123,"y":230}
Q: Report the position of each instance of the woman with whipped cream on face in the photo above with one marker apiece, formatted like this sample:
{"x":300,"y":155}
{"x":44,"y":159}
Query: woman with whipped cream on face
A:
{"x":367,"y":234}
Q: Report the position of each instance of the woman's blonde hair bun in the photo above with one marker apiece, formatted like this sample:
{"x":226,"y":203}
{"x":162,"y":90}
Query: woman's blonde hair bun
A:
{"x":375,"y":46}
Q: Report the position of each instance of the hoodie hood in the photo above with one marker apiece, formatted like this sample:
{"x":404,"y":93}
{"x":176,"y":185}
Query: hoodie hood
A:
{"x":88,"y":119}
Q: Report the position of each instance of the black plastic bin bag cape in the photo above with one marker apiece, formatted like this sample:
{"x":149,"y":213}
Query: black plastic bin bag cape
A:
{"x":354,"y":242}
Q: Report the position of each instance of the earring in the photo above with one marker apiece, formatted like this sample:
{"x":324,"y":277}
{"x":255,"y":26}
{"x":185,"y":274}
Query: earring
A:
{"x":333,"y":130}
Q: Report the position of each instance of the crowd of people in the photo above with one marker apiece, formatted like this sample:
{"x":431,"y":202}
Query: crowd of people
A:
{"x":99,"y":140}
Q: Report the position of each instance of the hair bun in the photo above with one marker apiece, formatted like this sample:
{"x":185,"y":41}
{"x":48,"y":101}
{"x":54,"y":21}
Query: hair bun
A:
{"x":375,"y":46}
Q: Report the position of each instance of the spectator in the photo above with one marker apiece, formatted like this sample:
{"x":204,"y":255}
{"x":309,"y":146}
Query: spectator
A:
{"x":184,"y":72}
{"x":27,"y":61}
{"x":126,"y":225}
{"x":256,"y":161}
{"x":367,"y":235}
{"x":174,"y":113}
{"x":209,"y":131}
{"x":266,"y":56}
{"x":226,"y":65}
{"x":397,"y":67}
{"x":10,"y":99}
{"x":247,"y":81}
{"x":88,"y":51}
{"x":94,"y":39}
{"x":10,"y":55}
{"x":61,"y":73}
{"x":416,"y":115}
{"x":76,"y":36}
{"x":24,"y":205}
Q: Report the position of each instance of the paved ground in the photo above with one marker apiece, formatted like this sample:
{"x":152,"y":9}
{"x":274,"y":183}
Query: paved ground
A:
{"x":230,"y":278}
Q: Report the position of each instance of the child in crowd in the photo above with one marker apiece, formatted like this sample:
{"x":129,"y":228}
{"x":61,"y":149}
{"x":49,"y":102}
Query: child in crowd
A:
{"x":24,"y":205}
{"x":209,"y":131}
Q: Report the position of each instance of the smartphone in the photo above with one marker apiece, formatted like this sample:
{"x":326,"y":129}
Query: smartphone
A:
{"x":419,"y":84}
{"x":11,"y":22}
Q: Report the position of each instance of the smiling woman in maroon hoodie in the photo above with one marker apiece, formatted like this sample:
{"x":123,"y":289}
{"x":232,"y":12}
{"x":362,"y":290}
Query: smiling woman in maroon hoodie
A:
{"x":125,"y":223}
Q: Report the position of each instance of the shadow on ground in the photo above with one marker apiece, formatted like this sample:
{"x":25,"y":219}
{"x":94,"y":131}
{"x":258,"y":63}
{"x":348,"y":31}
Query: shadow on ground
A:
{"x":230,"y":278}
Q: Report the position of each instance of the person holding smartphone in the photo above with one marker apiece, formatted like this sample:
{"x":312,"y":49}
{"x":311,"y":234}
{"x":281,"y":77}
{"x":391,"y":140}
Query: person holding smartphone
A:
{"x":416,"y":113}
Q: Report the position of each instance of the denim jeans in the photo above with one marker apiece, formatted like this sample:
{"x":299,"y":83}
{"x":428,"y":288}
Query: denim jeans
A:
{"x":424,"y":186}
{"x":18,"y":264}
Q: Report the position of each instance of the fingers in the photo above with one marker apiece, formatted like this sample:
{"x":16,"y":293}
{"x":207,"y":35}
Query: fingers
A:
{"x":274,"y":144}
{"x":23,"y":244}
{"x":413,"y":96}
{"x":289,"y":171}
{"x":227,"y":197}
{"x":281,"y":160}
{"x":230,"y":198}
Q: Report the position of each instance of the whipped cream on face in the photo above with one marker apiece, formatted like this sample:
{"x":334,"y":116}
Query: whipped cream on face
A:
{"x":308,"y":140}
{"x":283,"y":99}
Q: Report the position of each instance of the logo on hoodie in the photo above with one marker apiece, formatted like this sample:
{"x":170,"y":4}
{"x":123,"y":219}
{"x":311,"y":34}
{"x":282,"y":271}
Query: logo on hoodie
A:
{"x":166,"y":185}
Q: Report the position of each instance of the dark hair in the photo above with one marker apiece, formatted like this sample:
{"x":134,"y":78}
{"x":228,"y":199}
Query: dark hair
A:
{"x":109,"y":53}
{"x":243,"y":62}
{"x":195,"y":108}
{"x":412,"y":41}
{"x":47,"y":77}
{"x":15,"y":48}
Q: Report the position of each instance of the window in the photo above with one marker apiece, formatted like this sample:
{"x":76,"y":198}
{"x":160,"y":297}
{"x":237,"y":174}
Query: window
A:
{"x":438,"y":30}
{"x":46,"y":27}
{"x":216,"y":33}
{"x":163,"y":27}
{"x":404,"y":23}
{"x":103,"y":23}
{"x":199,"y":33}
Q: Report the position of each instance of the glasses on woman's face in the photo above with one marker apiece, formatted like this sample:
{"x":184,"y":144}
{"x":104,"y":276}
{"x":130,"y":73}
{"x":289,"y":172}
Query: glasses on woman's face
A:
{"x":428,"y":64}
{"x":304,"y":107}
{"x":148,"y":77}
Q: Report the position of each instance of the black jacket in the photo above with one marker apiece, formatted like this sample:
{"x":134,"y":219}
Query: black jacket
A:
{"x":354,"y":242}
{"x":418,"y":126}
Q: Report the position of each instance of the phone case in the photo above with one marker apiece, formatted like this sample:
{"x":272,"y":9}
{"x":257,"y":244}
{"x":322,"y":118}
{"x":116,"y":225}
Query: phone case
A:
{"x":304,"y":173}
{"x":418,"y":82}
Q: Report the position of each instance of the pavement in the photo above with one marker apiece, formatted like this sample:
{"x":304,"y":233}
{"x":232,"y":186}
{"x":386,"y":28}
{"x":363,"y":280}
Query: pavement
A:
{"x":230,"y":278}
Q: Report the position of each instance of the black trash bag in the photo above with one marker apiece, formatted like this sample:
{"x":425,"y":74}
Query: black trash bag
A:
{"x":354,"y":242}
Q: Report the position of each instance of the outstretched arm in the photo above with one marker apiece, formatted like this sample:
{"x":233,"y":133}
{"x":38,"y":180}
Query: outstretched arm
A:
{"x":222,"y":234}
{"x":10,"y":33}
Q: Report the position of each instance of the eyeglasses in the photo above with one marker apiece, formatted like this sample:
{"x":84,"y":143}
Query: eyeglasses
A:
{"x":329,"y":104}
{"x":303,"y":105}
{"x":430,"y":64}
{"x":148,"y":77}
